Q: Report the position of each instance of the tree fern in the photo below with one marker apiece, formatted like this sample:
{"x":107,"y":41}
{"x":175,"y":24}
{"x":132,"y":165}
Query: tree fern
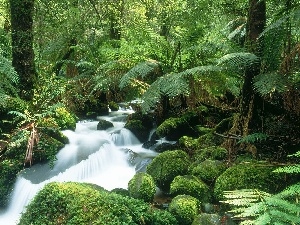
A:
{"x":141,"y":70}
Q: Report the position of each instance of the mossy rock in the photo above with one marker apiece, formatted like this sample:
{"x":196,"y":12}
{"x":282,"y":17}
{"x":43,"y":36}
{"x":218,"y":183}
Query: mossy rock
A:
{"x":142,"y":186}
{"x":166,"y":166}
{"x":9,"y":169}
{"x":207,"y":219}
{"x":208,"y":170}
{"x":64,"y":119}
{"x":252,"y":175}
{"x":104,"y":124}
{"x":138,"y":129}
{"x":185,"y":208}
{"x":190,"y":185}
{"x":174,"y":128}
{"x":113,"y":106}
{"x":79,"y":203}
{"x":212,"y":152}
{"x":165,"y":147}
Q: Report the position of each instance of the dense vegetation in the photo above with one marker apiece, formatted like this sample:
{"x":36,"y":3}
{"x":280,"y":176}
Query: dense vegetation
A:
{"x":219,"y":77}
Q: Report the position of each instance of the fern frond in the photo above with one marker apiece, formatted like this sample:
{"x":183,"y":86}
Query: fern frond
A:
{"x":9,"y":77}
{"x":255,"y":137}
{"x":266,"y":84}
{"x":289,"y":169}
{"x":237,"y":63}
{"x":141,"y":70}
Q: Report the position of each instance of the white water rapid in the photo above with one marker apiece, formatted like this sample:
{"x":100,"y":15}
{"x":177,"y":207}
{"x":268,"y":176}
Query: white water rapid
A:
{"x":98,"y":157}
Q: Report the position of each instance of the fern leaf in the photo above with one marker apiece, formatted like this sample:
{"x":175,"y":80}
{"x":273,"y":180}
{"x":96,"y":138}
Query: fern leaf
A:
{"x":266,"y":84}
{"x":238,"y":62}
{"x":9,"y":77}
{"x":255,"y":137}
{"x":289,"y":169}
{"x":140,"y":70}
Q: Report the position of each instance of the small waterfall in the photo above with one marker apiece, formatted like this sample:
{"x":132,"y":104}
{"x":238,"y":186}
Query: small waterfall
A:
{"x":92,"y":156}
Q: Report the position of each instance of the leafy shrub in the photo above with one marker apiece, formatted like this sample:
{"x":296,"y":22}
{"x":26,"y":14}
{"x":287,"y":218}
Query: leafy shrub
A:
{"x":166,"y":166}
{"x":252,"y":175}
{"x":65,"y":119}
{"x":142,"y":186}
{"x":184,"y":208}
{"x":190,"y":185}
{"x":67,"y":203}
{"x":208,"y":170}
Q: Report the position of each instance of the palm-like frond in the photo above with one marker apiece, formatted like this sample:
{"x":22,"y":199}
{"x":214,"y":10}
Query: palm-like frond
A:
{"x":141,"y":70}
{"x":238,"y":63}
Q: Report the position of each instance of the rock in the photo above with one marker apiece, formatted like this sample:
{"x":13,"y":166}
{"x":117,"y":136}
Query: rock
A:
{"x":103,"y":125}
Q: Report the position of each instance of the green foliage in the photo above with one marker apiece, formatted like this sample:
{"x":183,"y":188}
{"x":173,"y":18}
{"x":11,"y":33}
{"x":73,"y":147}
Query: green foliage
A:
{"x":166,"y":166}
{"x":9,"y":80}
{"x":65,"y":120}
{"x":184,"y":208}
{"x":140,"y":71}
{"x":190,"y":185}
{"x":67,"y":203}
{"x":255,"y":137}
{"x":208,"y":170}
{"x":241,"y":176}
{"x":142,"y":186}
{"x":262,"y":208}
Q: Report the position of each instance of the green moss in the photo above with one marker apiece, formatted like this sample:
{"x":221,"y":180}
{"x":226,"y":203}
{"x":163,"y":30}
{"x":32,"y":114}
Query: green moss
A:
{"x":190,"y":185}
{"x":138,"y":129}
{"x":78,"y":203}
{"x":252,"y":175}
{"x":166,"y":166}
{"x":142,"y":186}
{"x":208,"y":170}
{"x":65,"y":119}
{"x":113,"y":106}
{"x":208,"y":219}
{"x":212,"y":152}
{"x":8,"y":174}
{"x":184,"y":208}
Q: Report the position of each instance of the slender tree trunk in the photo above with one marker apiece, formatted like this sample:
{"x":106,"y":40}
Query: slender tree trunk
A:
{"x":255,"y":26}
{"x":22,"y":45}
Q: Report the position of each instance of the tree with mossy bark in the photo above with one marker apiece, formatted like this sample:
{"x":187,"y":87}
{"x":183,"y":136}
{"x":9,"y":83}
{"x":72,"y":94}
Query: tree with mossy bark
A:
{"x":22,"y":45}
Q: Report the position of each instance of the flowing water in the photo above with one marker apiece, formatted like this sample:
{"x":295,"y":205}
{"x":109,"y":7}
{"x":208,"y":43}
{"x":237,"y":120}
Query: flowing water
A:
{"x":107,"y":158}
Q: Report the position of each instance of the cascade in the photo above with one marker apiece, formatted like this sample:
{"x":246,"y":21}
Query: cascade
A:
{"x":98,"y":157}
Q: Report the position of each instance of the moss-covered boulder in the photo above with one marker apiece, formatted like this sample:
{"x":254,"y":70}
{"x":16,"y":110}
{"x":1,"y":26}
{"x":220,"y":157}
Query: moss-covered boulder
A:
{"x":113,"y":106}
{"x":78,"y":203}
{"x":249,"y":175}
{"x":208,"y":219}
{"x":190,"y":185}
{"x":64,"y":119}
{"x":142,"y":186}
{"x":104,"y":124}
{"x":8,"y":173}
{"x":140,"y":125}
{"x":185,"y":208}
{"x":166,"y":166}
{"x":208,"y":170}
{"x":212,"y":152}
{"x":138,"y":129}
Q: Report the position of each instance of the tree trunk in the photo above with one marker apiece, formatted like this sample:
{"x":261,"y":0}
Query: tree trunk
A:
{"x":248,"y":117}
{"x":255,"y":26}
{"x":22,"y":45}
